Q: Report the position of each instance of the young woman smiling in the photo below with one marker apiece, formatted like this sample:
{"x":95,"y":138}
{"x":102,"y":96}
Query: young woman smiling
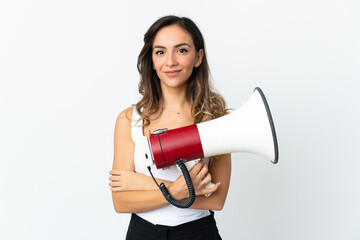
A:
{"x":176,"y":92}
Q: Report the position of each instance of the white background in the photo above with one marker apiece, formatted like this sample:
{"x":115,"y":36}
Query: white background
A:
{"x":67,"y":68}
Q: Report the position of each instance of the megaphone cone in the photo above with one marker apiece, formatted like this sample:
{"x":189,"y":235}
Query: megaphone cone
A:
{"x":250,"y":128}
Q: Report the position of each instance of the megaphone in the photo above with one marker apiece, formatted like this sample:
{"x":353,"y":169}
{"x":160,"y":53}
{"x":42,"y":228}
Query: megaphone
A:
{"x":250,"y":129}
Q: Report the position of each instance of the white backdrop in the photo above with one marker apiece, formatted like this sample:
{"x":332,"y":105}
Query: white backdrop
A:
{"x":67,"y":68}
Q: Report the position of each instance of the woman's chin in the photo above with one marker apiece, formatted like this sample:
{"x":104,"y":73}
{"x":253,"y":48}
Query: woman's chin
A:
{"x":173,"y":84}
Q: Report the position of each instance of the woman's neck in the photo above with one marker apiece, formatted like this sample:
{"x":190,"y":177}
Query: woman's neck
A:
{"x":174,"y":99}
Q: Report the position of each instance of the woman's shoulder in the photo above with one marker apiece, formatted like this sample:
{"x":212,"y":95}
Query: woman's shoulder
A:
{"x":125,"y":117}
{"x":126,"y":113}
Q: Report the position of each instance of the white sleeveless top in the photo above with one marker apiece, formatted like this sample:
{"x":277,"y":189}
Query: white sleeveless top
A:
{"x":168,"y":215}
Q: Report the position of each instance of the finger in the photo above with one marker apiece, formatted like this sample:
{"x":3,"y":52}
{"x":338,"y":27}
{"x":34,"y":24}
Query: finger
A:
{"x":209,"y":185}
{"x":211,"y":189}
{"x":115,"y":184}
{"x":197,"y":168}
{"x":207,"y":178}
{"x":114,"y":178}
{"x":116,"y":189}
{"x":115,"y":172}
{"x":204,"y":171}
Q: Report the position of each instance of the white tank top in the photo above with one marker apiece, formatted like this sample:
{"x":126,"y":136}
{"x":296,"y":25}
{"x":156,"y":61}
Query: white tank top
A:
{"x":168,"y":215}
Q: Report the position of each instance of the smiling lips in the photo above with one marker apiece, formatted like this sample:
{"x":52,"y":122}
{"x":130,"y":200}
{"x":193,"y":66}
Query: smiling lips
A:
{"x":172,"y":73}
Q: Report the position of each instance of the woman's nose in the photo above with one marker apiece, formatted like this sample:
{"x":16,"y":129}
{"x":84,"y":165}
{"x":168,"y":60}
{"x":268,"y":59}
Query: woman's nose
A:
{"x":171,"y":60}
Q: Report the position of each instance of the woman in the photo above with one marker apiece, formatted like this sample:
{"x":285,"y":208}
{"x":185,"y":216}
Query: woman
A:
{"x":176,"y":92}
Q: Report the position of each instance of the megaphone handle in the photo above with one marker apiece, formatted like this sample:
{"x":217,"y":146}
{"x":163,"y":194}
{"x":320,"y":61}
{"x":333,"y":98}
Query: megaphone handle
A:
{"x":189,"y":184}
{"x":189,"y":165}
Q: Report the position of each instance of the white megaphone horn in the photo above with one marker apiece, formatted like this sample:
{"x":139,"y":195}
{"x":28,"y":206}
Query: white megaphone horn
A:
{"x":250,"y":128}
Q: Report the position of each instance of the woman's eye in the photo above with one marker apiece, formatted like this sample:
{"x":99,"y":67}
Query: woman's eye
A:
{"x":159,"y":52}
{"x":182,"y":50}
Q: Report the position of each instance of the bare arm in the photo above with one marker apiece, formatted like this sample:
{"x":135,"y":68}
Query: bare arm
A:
{"x":125,"y":180}
{"x":130,"y":201}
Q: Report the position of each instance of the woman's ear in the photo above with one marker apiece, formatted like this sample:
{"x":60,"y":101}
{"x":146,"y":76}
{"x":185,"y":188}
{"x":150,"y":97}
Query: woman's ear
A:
{"x":198,"y":58}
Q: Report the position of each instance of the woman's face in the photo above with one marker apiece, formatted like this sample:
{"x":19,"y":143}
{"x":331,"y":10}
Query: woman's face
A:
{"x":174,"y":56}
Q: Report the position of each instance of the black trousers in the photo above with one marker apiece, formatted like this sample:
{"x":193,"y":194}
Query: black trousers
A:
{"x":201,"y":229}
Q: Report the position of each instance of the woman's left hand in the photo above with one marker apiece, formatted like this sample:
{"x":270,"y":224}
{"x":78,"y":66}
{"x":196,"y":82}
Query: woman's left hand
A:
{"x":125,"y":180}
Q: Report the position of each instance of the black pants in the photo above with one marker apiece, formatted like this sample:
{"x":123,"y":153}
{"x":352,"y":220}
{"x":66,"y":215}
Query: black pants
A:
{"x":201,"y":229}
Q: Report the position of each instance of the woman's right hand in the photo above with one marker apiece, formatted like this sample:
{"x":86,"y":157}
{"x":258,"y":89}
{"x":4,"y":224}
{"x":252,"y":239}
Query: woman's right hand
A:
{"x":200,"y":177}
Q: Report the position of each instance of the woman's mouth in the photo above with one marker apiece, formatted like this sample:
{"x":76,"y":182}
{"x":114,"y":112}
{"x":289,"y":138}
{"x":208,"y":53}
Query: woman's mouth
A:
{"x":172,"y":73}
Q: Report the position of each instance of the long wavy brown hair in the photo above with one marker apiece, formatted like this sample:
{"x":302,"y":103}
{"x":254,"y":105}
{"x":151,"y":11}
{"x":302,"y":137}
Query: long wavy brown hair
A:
{"x":206,"y":103}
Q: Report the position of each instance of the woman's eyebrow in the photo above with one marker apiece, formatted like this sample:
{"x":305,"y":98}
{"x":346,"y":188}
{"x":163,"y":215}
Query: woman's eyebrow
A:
{"x":176,"y":46}
{"x":182,"y":44}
